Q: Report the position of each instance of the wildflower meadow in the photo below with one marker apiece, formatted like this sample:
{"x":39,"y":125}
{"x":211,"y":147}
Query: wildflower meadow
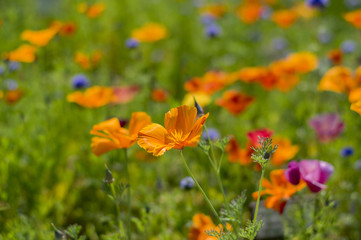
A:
{"x":180,"y":119}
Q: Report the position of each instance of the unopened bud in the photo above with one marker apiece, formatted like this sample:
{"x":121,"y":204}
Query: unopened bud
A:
{"x":108,"y":177}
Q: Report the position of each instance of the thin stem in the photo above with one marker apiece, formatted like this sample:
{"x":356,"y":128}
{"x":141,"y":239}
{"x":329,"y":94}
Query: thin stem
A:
{"x":119,"y":222}
{"x":259,"y":195}
{"x":210,"y":143}
{"x":129,"y":232}
{"x":200,"y":189}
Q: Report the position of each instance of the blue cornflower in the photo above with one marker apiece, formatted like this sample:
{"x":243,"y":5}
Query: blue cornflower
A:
{"x":279,"y":43}
{"x":348,"y":46}
{"x":213,"y":30}
{"x":11,"y":84}
{"x":13,"y":65}
{"x":2,"y":70}
{"x":131,"y":43}
{"x":317,"y":3}
{"x":346,"y":152}
{"x":80,"y":81}
{"x":213,"y":134}
{"x":186,"y":183}
{"x":207,"y":19}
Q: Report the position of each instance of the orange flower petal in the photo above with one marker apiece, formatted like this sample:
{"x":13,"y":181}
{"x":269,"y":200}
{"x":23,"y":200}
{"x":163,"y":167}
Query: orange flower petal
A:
{"x":153,"y":138}
{"x":180,"y":118}
{"x":138,"y":121}
{"x":100,"y":146}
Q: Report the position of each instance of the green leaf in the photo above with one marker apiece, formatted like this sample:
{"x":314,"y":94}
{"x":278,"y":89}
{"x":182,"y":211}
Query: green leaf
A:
{"x":221,"y":143}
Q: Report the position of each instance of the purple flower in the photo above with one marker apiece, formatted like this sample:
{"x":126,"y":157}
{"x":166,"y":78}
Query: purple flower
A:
{"x":279,"y":43}
{"x":207,"y":19}
{"x":327,"y":126}
{"x":213,"y":30}
{"x":314,"y":172}
{"x":186,"y":183}
{"x":2,"y":70}
{"x":317,"y":3}
{"x":11,"y":84}
{"x":346,"y":152}
{"x":131,"y":43}
{"x":213,"y":134}
{"x":13,"y":65}
{"x":79,"y":81}
{"x":348,"y":46}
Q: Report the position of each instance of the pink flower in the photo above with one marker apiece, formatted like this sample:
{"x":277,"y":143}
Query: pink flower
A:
{"x":327,"y":126}
{"x":124,"y":94}
{"x":314,"y":172}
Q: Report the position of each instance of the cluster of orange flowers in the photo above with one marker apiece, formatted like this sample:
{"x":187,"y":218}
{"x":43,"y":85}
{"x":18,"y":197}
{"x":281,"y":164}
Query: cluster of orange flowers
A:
{"x":251,"y":11}
{"x":202,"y":89}
{"x":283,"y":74}
{"x":98,"y":96}
{"x":201,"y":224}
{"x":341,"y":79}
{"x":285,"y":151}
{"x":41,"y":38}
{"x":88,"y":61}
{"x":91,"y":11}
{"x":279,"y":190}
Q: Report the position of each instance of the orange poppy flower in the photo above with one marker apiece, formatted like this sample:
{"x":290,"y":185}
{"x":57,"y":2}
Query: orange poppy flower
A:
{"x":13,"y":96}
{"x":39,"y":38}
{"x":354,"y":18}
{"x":159,"y":95}
{"x":337,"y":79}
{"x":358,"y":76}
{"x":253,"y":74}
{"x":279,"y":190}
{"x":356,"y":106}
{"x":95,"y":10}
{"x":285,"y":83}
{"x":93,"y":97}
{"x":237,"y":154}
{"x":355,"y":95}
{"x":285,"y":151}
{"x":24,"y":53}
{"x":201,"y":224}
{"x":301,"y":62}
{"x":211,"y":82}
{"x":284,"y":18}
{"x":88,"y":62}
{"x":215,"y":10}
{"x":234,"y":101}
{"x":150,"y":32}
{"x":109,"y":135}
{"x":304,"y":11}
{"x":182,"y":129}
{"x":249,"y":12}
{"x":335,"y":56}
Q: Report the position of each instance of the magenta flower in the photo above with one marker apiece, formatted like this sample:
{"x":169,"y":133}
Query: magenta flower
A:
{"x":314,"y":172}
{"x":327,"y":126}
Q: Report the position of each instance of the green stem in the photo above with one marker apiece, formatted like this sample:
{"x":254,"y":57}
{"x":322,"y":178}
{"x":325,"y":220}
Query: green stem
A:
{"x":119,"y":222}
{"x":129,"y":232}
{"x":210,"y":143}
{"x":259,"y":195}
{"x":201,"y":189}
